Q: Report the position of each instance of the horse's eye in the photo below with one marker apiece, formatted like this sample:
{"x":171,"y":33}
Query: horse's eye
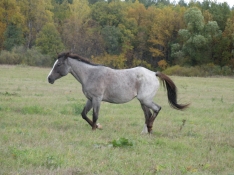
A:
{"x":59,"y":64}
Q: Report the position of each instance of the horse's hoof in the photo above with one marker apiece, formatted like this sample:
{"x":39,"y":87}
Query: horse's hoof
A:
{"x":145,"y":130}
{"x":99,"y":126}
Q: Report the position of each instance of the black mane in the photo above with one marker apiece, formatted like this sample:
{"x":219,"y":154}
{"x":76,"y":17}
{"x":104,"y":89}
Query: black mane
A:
{"x":77,"y":57}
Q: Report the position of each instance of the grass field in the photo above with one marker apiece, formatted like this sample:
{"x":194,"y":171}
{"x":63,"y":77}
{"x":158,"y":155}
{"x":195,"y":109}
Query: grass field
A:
{"x":42,"y":132}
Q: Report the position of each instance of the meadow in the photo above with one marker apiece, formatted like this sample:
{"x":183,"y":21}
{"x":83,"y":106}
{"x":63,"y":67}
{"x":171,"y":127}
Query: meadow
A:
{"x":42,"y":131}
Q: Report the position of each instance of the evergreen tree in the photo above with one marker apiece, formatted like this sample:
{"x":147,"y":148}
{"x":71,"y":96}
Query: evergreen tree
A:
{"x":111,"y":35}
{"x":13,"y":37}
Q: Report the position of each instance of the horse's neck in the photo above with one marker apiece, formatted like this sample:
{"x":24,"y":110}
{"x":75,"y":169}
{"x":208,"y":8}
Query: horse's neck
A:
{"x":80,"y":70}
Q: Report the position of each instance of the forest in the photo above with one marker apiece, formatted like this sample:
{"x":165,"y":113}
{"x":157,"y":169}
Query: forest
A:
{"x":192,"y":39}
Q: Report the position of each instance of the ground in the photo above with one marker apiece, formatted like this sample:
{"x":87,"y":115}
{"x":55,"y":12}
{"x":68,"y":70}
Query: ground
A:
{"x":42,"y":131}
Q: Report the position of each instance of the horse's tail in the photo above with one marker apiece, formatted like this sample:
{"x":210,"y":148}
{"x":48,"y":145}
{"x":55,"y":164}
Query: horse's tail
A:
{"x":171,"y":91}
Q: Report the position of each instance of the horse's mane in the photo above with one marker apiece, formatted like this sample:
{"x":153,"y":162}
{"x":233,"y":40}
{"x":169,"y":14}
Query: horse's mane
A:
{"x":77,"y":57}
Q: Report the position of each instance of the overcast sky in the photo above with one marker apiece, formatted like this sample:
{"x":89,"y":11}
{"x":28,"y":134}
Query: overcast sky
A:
{"x":230,"y":2}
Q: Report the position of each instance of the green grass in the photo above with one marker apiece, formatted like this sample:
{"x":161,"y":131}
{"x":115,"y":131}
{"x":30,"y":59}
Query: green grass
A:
{"x":42,"y":132}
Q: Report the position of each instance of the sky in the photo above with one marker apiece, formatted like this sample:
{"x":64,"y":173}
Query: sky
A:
{"x":230,"y":2}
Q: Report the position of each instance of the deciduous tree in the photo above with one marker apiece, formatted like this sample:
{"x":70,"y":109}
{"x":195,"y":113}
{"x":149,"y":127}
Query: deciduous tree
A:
{"x":49,"y":41}
{"x":10,"y":17}
{"x":37,"y":13}
{"x":193,"y":42}
{"x":165,"y":27}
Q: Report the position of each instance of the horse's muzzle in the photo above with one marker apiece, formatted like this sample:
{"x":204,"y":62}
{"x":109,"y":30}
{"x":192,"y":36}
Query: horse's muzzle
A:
{"x":50,"y":80}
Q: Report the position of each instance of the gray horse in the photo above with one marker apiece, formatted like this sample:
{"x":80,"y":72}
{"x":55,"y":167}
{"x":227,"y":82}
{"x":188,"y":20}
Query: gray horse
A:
{"x":101,"y":83}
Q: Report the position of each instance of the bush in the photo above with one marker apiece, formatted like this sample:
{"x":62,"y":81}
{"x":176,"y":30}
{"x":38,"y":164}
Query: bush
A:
{"x":34,"y":58}
{"x":114,"y":61}
{"x":138,"y":62}
{"x":20,"y":55}
{"x":201,"y":71}
{"x":7,"y":57}
{"x":183,"y":71}
{"x":227,"y":71}
{"x":162,"y":64}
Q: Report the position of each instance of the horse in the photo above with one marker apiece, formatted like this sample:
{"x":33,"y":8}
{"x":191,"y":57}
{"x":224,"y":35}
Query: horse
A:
{"x":101,"y":83}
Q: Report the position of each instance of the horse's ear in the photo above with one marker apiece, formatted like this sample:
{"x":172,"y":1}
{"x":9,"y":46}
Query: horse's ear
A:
{"x":67,"y":54}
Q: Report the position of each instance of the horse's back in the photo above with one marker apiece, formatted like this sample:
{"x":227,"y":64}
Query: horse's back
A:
{"x":123,"y":85}
{"x":132,"y":75}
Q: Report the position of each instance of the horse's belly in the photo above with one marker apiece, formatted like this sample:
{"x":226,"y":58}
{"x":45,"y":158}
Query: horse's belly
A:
{"x":118,"y":100}
{"x":119,"y":96}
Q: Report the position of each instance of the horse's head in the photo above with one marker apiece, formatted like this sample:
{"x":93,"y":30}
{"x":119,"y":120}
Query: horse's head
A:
{"x":60,"y":68}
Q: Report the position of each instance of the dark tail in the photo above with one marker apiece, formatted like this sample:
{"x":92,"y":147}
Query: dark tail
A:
{"x":171,"y":91}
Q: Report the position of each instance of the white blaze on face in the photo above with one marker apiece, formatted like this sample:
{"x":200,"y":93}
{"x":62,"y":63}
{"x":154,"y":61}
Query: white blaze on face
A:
{"x":52,"y":68}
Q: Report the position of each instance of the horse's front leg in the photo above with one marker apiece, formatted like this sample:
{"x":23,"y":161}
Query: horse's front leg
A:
{"x":85,"y":111}
{"x":96,"y":102}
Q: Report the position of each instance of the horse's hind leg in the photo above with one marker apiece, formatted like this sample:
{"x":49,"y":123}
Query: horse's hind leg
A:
{"x":155,"y":108}
{"x":96,"y":102}
{"x":147,"y":114}
{"x":150,"y":122}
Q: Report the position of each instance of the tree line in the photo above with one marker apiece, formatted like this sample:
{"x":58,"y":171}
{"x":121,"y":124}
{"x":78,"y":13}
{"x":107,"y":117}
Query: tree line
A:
{"x":120,"y":34}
